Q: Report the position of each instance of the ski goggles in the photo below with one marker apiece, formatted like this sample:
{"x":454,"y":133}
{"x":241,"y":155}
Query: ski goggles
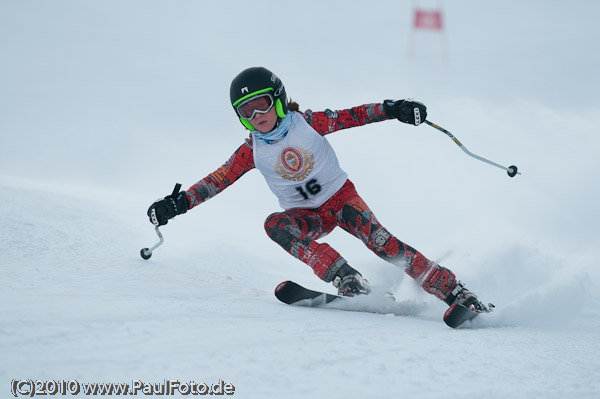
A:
{"x":260,"y":104}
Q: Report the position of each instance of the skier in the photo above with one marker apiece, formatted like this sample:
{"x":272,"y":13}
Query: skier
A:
{"x":289,"y":148}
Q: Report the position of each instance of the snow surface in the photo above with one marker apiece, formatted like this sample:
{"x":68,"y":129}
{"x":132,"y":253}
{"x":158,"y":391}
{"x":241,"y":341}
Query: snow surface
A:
{"x":104,"y":105}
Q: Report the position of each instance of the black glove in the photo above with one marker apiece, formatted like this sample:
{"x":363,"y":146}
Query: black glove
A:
{"x":407,"y":111}
{"x":167,"y":208}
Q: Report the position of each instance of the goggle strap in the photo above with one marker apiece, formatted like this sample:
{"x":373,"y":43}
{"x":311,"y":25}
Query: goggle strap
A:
{"x":256,"y":93}
{"x":279,"y":108}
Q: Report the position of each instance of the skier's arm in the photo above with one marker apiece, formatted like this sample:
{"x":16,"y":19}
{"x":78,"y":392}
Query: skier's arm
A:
{"x":325,"y":122}
{"x":161,"y":211}
{"x":240,"y":162}
{"x":328,"y":121}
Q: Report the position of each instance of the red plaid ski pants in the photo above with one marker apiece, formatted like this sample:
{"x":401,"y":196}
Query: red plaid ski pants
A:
{"x":296,"y":230}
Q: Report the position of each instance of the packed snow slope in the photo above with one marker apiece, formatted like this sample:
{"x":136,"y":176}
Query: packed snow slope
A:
{"x":105,"y":105}
{"x":79,"y":303}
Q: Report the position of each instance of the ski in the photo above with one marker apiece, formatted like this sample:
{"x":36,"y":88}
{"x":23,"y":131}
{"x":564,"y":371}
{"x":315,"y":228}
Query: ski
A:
{"x":292,"y":293}
{"x":457,"y":315}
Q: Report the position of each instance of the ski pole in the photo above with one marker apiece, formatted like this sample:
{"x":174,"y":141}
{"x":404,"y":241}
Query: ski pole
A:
{"x":146,"y":253}
{"x":511,"y":170}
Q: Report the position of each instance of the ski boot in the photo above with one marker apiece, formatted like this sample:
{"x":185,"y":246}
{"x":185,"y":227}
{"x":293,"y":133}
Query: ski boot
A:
{"x":350,"y":282}
{"x":462,"y":296}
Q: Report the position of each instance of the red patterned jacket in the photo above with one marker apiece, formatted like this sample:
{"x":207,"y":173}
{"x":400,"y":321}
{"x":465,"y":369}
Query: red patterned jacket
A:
{"x":242,"y":160}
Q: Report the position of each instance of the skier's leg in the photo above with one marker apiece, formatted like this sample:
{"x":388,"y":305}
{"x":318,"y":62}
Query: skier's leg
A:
{"x":355,"y":217}
{"x":296,"y":230}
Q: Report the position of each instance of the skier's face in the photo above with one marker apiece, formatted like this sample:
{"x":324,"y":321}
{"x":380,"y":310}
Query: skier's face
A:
{"x":264,"y":123}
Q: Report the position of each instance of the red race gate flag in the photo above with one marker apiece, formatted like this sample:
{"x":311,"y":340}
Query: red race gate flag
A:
{"x":428,"y":20}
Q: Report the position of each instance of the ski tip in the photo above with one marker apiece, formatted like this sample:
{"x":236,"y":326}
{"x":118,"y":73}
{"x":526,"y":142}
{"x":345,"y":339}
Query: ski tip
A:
{"x":449,"y":311}
{"x":457,"y":315}
{"x":280,"y":286}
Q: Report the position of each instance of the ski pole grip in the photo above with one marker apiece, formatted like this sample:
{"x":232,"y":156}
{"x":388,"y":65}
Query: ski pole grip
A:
{"x":176,"y":189}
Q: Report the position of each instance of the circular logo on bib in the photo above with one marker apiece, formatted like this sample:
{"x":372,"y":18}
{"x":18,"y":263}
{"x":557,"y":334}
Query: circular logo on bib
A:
{"x":292,"y":159}
{"x":295,"y":163}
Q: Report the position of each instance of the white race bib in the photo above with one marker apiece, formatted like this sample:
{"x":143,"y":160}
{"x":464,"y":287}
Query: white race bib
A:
{"x":302,"y":169}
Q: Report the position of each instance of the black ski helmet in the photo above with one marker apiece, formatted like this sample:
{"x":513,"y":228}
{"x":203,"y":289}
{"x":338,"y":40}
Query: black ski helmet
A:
{"x":257,"y":80}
